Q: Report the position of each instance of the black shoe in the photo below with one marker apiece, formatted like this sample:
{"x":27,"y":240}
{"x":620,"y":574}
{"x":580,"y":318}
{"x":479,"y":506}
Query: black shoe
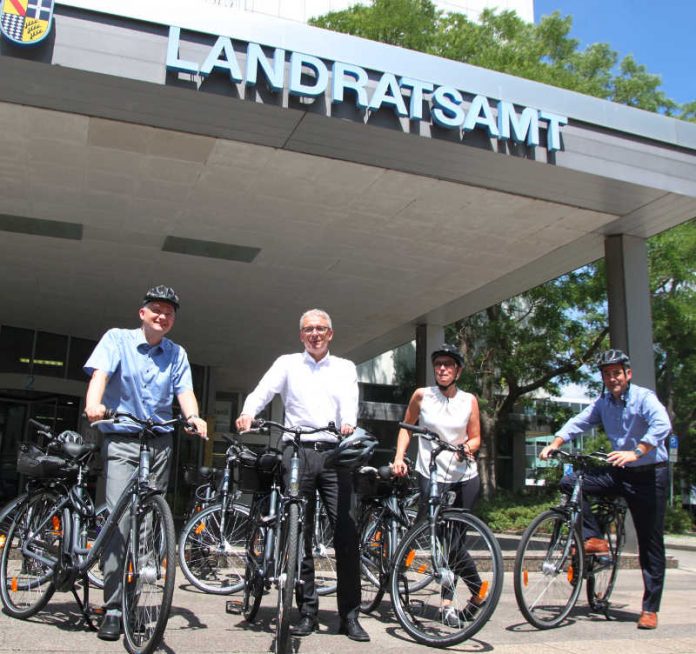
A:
{"x":305,"y":626}
{"x":110,"y":628}
{"x":351,"y":628}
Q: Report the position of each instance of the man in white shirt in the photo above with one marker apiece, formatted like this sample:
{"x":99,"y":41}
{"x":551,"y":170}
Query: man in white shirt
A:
{"x":316,"y":389}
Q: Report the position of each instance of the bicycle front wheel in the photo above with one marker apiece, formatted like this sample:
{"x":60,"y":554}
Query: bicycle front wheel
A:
{"x":287,"y":575}
{"x":148,"y":576}
{"x":212,"y":549}
{"x":26,"y":584}
{"x":548,"y":570}
{"x":446,"y":583}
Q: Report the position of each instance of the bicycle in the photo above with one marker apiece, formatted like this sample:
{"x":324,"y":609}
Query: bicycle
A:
{"x":551,"y":564}
{"x":47,"y":548}
{"x":9,"y":512}
{"x":212,"y":544}
{"x":384,"y":520}
{"x":447,"y":545}
{"x":274,"y":547}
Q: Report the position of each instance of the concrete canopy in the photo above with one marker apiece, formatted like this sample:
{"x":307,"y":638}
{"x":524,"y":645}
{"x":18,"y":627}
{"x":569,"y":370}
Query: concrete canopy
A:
{"x":104,"y":166}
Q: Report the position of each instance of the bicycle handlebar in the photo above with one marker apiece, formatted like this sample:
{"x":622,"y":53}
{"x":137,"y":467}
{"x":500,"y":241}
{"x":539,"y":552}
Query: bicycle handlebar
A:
{"x":422,"y":432}
{"x":149,"y":424}
{"x":582,"y":459}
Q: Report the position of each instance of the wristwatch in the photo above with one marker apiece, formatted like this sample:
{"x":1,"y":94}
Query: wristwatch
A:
{"x":638,"y":452}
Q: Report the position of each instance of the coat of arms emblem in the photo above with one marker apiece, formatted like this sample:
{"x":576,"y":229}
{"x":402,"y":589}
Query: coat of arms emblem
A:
{"x":26,"y":22}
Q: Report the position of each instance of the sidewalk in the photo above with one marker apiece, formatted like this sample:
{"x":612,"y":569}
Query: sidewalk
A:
{"x":199,"y":624}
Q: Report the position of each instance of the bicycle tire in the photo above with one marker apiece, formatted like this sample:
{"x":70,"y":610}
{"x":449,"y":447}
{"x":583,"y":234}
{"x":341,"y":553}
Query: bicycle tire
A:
{"x":214,"y":562}
{"x":374,"y":559}
{"x":8,"y":513}
{"x":547,"y":581}
{"x":96,"y":574}
{"x":602,"y":570}
{"x":287,"y":574}
{"x":253,"y":580}
{"x":148,"y":577}
{"x":26,"y":584}
{"x":324,"y":557}
{"x":443,"y":613}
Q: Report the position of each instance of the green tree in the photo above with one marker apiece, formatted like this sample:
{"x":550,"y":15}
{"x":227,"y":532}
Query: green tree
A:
{"x":541,"y":339}
{"x":502,"y":41}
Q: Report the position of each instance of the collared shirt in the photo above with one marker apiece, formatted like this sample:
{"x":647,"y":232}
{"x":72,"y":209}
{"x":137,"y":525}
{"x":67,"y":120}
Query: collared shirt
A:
{"x":143,"y":378}
{"x":314,"y":393}
{"x":637,"y":417}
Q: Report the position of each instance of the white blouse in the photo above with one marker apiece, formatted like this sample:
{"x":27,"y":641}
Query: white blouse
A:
{"x":449,"y":418}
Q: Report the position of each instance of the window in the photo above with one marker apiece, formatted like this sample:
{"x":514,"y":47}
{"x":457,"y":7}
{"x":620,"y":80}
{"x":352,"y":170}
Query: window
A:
{"x":50,"y":355}
{"x":80,"y":349}
{"x":16,"y":347}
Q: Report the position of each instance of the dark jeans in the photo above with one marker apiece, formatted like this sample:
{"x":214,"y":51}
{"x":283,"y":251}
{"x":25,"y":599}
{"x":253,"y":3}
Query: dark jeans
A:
{"x":466,"y":495}
{"x":645,"y":490}
{"x":335,"y":486}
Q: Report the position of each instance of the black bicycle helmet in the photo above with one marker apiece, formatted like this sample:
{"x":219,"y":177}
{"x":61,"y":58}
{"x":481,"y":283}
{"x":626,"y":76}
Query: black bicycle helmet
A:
{"x":354,"y":450}
{"x":448,"y":350}
{"x":162,"y":293}
{"x":611,"y":357}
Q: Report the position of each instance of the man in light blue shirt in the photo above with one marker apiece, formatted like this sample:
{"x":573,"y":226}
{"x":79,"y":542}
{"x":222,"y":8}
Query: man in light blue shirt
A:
{"x":637,"y":425}
{"x":138,"y":371}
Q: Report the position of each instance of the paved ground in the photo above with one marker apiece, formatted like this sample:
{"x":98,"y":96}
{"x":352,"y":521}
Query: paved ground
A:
{"x":199,"y":624}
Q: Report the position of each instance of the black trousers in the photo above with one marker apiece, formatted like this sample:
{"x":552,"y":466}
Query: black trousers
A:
{"x":335,"y":486}
{"x":645,"y":490}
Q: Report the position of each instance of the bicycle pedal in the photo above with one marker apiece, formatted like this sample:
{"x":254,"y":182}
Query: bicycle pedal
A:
{"x":233,"y":607}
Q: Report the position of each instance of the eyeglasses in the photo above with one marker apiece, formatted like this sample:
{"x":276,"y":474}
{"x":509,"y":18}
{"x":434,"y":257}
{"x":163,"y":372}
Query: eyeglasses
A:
{"x":319,"y":329}
{"x":167,"y":313}
{"x":446,"y":363}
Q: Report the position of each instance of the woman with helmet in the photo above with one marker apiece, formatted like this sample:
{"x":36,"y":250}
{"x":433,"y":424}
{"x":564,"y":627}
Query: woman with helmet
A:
{"x":454,"y":415}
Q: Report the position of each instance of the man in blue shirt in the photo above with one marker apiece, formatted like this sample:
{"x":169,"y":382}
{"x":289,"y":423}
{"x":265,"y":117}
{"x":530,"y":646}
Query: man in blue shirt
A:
{"x":138,"y":371}
{"x":637,"y":425}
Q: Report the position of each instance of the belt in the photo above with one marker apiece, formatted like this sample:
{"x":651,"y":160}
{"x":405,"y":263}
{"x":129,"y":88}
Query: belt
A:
{"x":319,"y":446}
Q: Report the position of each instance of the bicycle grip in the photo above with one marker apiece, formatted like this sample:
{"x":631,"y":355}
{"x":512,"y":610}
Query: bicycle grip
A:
{"x":40,"y":425}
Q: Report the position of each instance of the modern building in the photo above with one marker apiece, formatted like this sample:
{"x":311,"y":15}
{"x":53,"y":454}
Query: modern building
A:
{"x":262,"y":166}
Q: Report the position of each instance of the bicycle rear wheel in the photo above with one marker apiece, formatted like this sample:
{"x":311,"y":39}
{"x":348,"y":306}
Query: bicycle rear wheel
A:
{"x":548,"y":570}
{"x":96,"y":574}
{"x":445,"y":586}
{"x":148,"y":577}
{"x":212,"y":549}
{"x":286,"y":578}
{"x":324,"y":555}
{"x":26,"y":584}
{"x":253,"y":579}
{"x":602,"y":569}
{"x":374,"y":559}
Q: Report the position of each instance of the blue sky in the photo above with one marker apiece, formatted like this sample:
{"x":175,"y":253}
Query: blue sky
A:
{"x":658,"y":33}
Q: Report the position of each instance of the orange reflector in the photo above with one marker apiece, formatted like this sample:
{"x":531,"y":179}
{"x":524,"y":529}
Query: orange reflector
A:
{"x":422,"y":568}
{"x":56,"y":525}
{"x":89,"y":546}
{"x":525,"y":577}
{"x":483,"y":591}
{"x":129,"y":577}
{"x":409,"y":558}
{"x":200,"y":528}
{"x":570,"y":574}
{"x":14,"y":584}
{"x":2,"y":540}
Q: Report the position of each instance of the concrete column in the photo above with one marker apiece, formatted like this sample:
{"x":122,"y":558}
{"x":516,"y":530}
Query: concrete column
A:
{"x":630,"y":318}
{"x":628,"y":294}
{"x":428,"y":338}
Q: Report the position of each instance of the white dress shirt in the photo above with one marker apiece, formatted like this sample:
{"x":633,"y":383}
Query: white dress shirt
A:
{"x":314,"y":393}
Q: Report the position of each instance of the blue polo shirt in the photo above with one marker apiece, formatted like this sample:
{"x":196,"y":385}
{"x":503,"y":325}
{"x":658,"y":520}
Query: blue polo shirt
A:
{"x":638,"y":416}
{"x":143,"y":378}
